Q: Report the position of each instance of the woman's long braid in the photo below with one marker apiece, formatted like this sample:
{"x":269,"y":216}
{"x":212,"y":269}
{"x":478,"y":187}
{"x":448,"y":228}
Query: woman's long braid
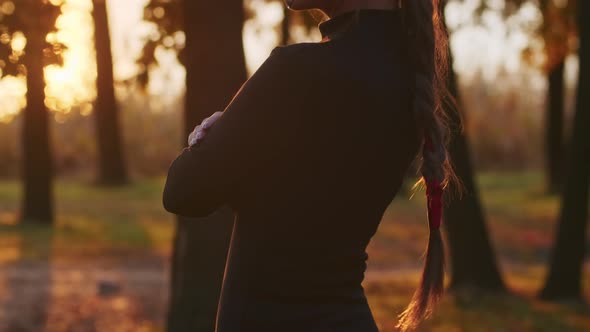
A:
{"x":428,"y":44}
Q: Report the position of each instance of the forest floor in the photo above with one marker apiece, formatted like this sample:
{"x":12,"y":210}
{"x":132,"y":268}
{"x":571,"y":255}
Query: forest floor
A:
{"x":104,"y":265}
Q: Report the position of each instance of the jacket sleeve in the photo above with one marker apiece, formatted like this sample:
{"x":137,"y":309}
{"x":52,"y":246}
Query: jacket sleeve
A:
{"x":254,"y":127}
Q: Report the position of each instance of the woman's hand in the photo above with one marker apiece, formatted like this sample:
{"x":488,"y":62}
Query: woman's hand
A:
{"x":201,"y":130}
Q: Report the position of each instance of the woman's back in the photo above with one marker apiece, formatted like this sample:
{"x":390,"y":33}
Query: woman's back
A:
{"x":303,"y":225}
{"x":309,"y":154}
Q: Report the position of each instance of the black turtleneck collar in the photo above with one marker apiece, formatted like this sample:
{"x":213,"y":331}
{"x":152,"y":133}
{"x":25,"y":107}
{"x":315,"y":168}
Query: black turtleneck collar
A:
{"x":337,"y":24}
{"x":363,"y":17}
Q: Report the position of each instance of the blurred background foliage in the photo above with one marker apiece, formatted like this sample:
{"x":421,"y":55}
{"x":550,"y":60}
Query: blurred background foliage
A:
{"x":93,"y":108}
{"x":506,"y":122}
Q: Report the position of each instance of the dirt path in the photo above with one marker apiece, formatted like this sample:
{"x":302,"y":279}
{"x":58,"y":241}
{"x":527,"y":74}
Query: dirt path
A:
{"x":93,"y":296}
{"x":36,"y":296}
{"x":128,"y":295}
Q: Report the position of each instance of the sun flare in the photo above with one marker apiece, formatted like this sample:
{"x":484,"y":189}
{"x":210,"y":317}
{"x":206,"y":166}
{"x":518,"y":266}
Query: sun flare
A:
{"x":480,"y":51}
{"x":69,"y":85}
{"x":73,"y":83}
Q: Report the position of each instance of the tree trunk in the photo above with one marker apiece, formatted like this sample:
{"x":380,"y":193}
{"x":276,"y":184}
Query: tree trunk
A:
{"x":37,"y":168}
{"x":567,"y":258}
{"x":554,"y":128}
{"x":473,"y":262}
{"x":111,"y":166}
{"x":216,"y":69}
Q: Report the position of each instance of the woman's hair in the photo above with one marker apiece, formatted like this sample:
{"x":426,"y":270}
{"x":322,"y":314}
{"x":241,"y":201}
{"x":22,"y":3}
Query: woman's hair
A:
{"x":429,"y":46}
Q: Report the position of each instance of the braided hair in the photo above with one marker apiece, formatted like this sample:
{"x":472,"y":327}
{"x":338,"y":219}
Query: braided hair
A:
{"x":429,"y":46}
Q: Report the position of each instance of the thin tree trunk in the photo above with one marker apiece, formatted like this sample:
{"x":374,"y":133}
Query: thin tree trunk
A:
{"x":200,"y":252}
{"x":567,"y":258}
{"x":37,"y":166}
{"x":554,"y":128}
{"x":111,"y":166}
{"x":473,"y":262}
{"x":216,"y":69}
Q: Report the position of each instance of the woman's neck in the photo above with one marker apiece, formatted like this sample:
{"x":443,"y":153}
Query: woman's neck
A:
{"x":351,"y":5}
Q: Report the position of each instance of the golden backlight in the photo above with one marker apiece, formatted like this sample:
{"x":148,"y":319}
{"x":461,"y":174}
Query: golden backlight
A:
{"x":72,"y":86}
{"x":68,"y":85}
{"x":73,"y":83}
{"x":481,"y":51}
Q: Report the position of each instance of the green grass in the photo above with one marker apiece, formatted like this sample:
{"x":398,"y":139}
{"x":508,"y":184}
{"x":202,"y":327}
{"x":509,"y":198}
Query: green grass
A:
{"x":129,"y":222}
{"x":520,"y":217}
{"x":521,"y":220}
{"x":95,"y":220}
{"x":91,"y":222}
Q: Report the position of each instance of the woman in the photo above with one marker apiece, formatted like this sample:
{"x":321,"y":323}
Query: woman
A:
{"x":309,"y":154}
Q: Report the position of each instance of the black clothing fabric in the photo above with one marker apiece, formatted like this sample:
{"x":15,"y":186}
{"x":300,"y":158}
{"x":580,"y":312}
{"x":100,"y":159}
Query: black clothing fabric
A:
{"x":309,"y":154}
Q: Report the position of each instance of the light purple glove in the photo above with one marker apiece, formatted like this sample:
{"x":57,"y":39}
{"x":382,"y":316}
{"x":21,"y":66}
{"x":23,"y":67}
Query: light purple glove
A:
{"x":201,"y":130}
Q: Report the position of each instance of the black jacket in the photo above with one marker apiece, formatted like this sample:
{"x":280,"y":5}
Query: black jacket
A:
{"x":309,"y":154}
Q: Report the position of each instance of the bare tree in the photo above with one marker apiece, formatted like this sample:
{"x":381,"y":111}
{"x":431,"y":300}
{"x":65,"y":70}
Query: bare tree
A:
{"x":473,"y":261}
{"x":558,"y":26}
{"x":34,"y":20}
{"x":565,"y":270}
{"x":111,"y":167}
{"x":215,"y":64}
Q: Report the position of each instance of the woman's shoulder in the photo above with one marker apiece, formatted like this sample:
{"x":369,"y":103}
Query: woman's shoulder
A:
{"x":300,"y":48}
{"x":306,"y":55}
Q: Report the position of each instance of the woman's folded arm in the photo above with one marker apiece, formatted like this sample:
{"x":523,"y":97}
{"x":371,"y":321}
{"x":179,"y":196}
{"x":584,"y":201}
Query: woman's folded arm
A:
{"x":256,"y":123}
